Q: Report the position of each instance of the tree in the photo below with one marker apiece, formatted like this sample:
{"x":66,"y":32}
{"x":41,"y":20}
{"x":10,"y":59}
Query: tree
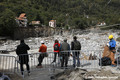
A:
{"x":7,"y":23}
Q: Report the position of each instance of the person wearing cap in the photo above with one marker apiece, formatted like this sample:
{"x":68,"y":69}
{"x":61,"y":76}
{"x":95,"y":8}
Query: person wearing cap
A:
{"x":43,"y":53}
{"x":65,"y":52}
{"x":112,"y":45}
{"x":21,"y":51}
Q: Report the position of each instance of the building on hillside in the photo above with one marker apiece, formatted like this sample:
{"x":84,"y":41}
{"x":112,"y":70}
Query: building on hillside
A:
{"x":34,"y":23}
{"x":101,"y":24}
{"x":52,"y":23}
{"x":22,"y":20}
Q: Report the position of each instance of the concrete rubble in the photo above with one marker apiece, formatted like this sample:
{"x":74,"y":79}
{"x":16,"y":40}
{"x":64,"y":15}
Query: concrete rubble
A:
{"x":73,"y":74}
{"x":92,"y":42}
{"x":93,"y":39}
{"x":80,"y":74}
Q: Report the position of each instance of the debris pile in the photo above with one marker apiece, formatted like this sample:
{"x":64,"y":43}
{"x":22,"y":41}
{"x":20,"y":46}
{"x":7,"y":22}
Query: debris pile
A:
{"x":91,"y":42}
{"x":72,"y":74}
{"x":81,"y":74}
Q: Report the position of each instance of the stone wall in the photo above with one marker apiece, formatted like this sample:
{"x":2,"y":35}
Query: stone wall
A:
{"x":25,"y":32}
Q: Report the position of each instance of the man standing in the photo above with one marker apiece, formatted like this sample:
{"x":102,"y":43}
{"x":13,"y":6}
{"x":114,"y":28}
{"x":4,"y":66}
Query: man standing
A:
{"x":76,"y":47}
{"x":65,"y":48}
{"x":42,"y":50}
{"x":21,"y":51}
{"x":112,"y":45}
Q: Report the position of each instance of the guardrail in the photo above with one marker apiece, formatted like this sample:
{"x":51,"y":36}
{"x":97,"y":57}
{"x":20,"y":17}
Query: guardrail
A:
{"x":7,"y":64}
{"x":87,"y":60}
{"x":118,"y":60}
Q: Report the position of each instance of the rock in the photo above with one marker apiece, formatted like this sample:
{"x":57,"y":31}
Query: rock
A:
{"x":75,"y":74}
{"x":118,"y":78}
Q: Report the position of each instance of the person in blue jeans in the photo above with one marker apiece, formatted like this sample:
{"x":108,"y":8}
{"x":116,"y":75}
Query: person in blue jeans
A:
{"x":75,"y":47}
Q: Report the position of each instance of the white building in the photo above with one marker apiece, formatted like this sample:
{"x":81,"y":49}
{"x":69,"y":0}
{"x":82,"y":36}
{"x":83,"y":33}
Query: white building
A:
{"x":101,"y":24}
{"x":52,"y":23}
{"x":35,"y":22}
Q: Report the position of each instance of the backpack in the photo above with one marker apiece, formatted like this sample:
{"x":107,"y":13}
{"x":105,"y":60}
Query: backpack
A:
{"x":56,"y":47}
{"x":77,"y":45}
{"x":105,"y":61}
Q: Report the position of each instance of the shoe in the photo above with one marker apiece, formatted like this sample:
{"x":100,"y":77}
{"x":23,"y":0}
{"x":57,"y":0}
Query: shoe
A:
{"x":53,"y":62}
{"x":23,"y":76}
{"x":22,"y":72}
{"x":113,"y":65}
{"x":28,"y":73}
{"x":39,"y":67}
{"x":78,"y":65}
{"x":66,"y":66}
{"x":74,"y":66}
{"x":62,"y":67}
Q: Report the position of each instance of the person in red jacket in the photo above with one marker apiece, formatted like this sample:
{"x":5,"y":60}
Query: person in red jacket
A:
{"x":56,"y":47}
{"x":43,"y":52}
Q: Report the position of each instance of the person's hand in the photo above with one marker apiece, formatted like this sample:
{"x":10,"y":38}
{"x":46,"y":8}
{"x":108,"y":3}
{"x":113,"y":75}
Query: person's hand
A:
{"x":71,"y":55}
{"x":108,"y":44}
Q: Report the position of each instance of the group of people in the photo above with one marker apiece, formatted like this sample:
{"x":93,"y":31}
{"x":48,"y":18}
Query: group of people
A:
{"x":60,"y":49}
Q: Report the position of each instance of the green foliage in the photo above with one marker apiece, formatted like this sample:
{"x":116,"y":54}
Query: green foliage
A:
{"x":7,"y":23}
{"x":73,"y":13}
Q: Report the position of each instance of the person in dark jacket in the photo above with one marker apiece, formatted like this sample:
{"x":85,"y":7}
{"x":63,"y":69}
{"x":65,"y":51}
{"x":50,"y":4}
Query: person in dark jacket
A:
{"x":76,"y":47}
{"x":21,"y":51}
{"x":65,"y":48}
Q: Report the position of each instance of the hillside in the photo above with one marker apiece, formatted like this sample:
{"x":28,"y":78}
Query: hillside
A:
{"x":68,"y":13}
